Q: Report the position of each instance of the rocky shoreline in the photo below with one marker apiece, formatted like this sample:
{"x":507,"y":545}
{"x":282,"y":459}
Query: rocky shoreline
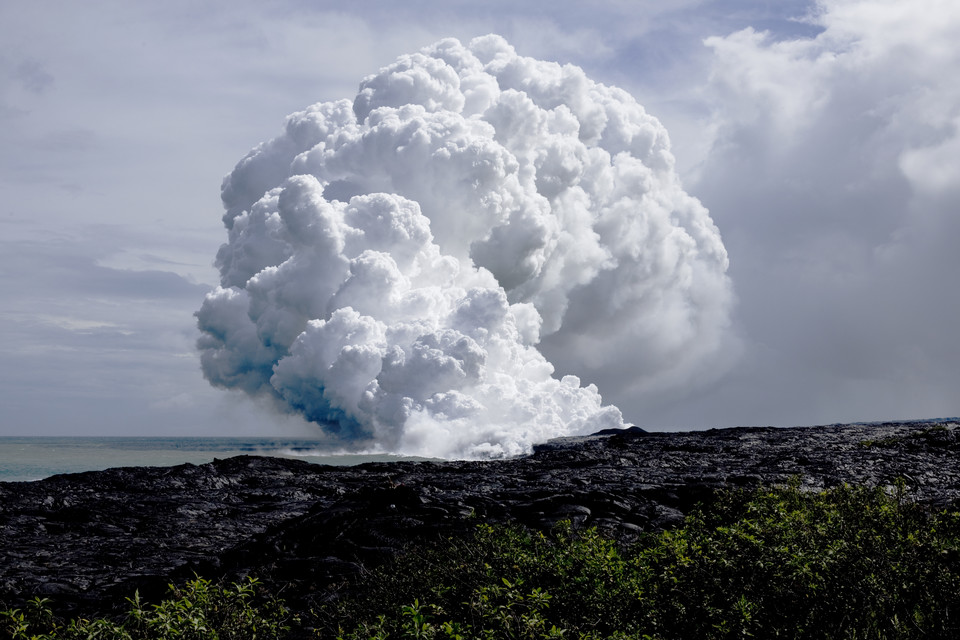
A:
{"x":89,"y":540}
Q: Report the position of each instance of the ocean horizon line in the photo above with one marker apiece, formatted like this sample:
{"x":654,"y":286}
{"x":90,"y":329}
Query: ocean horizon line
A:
{"x":31,"y":458}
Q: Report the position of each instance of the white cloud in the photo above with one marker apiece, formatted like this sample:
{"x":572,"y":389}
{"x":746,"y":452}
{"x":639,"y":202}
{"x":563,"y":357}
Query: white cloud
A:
{"x":394,"y":260}
{"x":935,"y":168}
{"x":831,"y":174}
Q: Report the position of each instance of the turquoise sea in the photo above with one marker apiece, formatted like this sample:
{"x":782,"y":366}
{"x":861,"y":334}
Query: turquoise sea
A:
{"x":33,"y":458}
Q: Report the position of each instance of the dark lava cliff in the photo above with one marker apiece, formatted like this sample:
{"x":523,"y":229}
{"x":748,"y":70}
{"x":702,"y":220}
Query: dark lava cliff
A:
{"x":88,"y":540}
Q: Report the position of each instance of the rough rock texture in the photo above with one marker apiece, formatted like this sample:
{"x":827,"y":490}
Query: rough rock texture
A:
{"x":88,"y":540}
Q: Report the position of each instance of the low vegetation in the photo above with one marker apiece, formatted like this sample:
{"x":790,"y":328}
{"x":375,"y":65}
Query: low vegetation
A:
{"x":774,"y":563}
{"x":199,"y":610}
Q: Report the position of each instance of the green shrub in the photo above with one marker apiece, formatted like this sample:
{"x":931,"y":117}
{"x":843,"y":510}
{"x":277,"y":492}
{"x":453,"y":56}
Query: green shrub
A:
{"x":773,"y":563}
{"x":847,"y":563}
{"x":200,"y":610}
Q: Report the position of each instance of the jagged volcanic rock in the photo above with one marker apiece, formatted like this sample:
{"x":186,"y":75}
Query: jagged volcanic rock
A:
{"x":88,"y":540}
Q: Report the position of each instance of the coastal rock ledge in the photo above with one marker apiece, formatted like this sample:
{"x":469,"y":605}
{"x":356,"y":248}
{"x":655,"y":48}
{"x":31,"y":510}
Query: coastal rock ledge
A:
{"x":88,"y":540}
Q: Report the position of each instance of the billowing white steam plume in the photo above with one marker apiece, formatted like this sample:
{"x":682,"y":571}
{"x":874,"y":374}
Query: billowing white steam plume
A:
{"x":394,"y":261}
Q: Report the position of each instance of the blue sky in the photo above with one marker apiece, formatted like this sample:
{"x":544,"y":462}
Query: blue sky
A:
{"x":822,"y":137}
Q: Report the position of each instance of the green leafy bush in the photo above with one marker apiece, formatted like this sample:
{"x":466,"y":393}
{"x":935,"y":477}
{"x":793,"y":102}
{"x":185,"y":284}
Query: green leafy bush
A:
{"x":200,"y":610}
{"x":774,"y":563}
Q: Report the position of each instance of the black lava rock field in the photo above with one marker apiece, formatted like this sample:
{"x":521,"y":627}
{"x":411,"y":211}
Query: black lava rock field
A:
{"x":89,"y":540}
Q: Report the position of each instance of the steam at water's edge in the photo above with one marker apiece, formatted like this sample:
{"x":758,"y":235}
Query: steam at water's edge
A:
{"x":394,"y":263}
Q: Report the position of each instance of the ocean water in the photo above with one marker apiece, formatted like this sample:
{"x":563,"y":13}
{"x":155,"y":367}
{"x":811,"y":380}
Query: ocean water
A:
{"x":34,"y":458}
